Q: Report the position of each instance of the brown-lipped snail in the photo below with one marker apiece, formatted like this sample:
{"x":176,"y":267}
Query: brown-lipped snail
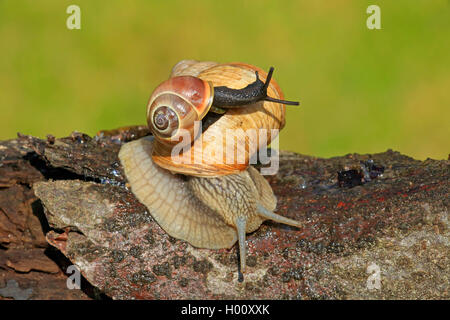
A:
{"x":214,"y":202}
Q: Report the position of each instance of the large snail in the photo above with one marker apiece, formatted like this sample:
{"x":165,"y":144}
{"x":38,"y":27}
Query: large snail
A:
{"x":212,"y":202}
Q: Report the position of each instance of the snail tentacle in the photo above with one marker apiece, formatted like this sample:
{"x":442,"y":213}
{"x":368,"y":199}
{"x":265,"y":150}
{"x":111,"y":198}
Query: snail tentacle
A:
{"x":276,"y":217}
{"x":256,"y":91}
{"x":241,"y":226}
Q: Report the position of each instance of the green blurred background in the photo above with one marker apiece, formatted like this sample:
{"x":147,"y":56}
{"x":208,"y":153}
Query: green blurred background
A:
{"x":361,"y":90}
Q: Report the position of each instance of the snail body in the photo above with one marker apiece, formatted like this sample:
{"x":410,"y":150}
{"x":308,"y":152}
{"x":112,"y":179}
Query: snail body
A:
{"x":211,"y":204}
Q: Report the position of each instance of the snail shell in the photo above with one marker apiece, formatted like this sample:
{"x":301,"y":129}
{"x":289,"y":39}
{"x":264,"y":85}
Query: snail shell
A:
{"x":202,"y":159}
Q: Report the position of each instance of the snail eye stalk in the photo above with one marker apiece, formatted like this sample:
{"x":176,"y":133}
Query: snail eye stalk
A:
{"x":256,"y":91}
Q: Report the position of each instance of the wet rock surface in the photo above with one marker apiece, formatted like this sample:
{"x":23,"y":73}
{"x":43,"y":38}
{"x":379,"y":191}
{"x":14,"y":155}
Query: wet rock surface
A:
{"x":375,"y":227}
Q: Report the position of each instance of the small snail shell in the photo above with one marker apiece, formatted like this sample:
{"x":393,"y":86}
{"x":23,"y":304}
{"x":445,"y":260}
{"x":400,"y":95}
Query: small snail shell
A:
{"x":177,"y":103}
{"x":208,"y":205}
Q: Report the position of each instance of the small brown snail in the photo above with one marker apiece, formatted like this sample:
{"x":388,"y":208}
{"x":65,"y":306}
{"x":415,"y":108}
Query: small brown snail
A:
{"x":214,"y":202}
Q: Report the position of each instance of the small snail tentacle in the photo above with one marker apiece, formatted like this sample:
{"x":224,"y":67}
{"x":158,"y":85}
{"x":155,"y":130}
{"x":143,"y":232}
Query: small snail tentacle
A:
{"x":256,"y":91}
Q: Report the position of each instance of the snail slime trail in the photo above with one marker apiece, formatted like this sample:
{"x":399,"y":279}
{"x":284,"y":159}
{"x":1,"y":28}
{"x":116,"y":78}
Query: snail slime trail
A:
{"x":213,"y":203}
